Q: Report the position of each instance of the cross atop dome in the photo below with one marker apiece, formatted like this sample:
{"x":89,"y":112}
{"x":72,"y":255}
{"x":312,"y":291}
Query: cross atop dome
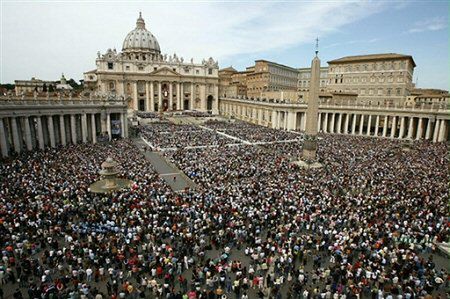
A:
{"x":140,"y":23}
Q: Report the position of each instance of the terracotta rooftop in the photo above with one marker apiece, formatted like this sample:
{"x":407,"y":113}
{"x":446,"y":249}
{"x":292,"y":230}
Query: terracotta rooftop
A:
{"x":370,"y":57}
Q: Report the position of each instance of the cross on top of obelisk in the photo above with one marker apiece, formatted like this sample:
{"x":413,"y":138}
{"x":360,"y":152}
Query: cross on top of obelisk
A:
{"x":317,"y":45}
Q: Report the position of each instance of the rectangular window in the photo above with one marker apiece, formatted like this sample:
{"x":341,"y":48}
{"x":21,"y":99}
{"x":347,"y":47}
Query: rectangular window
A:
{"x":110,"y":66}
{"x":127,"y":67}
{"x":210,"y":71}
{"x":141,"y":68}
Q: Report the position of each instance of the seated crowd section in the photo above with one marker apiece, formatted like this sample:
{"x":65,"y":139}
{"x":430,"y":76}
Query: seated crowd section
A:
{"x":364,"y":225}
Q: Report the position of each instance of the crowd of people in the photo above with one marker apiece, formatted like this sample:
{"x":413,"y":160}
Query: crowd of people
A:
{"x":169,"y":136}
{"x":364,"y":225}
{"x":251,"y":132}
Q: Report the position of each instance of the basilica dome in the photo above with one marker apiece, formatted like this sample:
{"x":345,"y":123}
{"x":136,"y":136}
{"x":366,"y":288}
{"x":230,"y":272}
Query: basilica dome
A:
{"x":140,"y":39}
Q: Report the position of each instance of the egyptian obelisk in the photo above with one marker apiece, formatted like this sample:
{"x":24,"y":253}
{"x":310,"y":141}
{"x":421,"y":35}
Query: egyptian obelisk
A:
{"x":310,"y":144}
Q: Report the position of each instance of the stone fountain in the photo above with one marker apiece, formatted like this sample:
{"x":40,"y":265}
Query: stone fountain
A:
{"x":109,"y":182}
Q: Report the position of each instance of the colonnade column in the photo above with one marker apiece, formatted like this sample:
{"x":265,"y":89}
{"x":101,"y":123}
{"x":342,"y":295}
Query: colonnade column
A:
{"x":419,"y":129}
{"x":385,"y":125}
{"x":394,"y":126}
{"x":442,"y":130}
{"x":93,"y":128}
{"x":73,"y":130}
{"x":428,"y":131}
{"x":3,"y":144}
{"x":62,"y":129}
{"x":15,"y":135}
{"x":304,"y":122}
{"x":339,"y":124}
{"x":40,"y":133}
{"x":410,"y":128}
{"x":346,"y":123}
{"x":377,"y":123}
{"x":84,"y":132}
{"x":28,"y":142}
{"x":325,"y":127}
{"x":361,"y":124}
{"x":51,"y":130}
{"x":402,"y":127}
{"x":369,"y":124}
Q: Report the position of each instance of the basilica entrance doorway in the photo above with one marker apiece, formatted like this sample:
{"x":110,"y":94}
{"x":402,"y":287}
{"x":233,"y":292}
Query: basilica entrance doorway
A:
{"x":209,"y":102}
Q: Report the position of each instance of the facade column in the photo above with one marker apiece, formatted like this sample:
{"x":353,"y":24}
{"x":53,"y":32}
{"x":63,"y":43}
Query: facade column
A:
{"x":442,"y":130}
{"x":419,"y":129}
{"x":428,"y":131}
{"x":135,"y":96}
{"x":377,"y":124}
{"x":93,"y":128}
{"x":319,"y":122}
{"x":40,"y":133}
{"x":394,"y":126}
{"x":170,"y":96}
{"x":62,"y":129}
{"x":147,"y":97}
{"x":51,"y":130}
{"x":436,"y":130}
{"x":191,"y":105}
{"x":304,"y":121}
{"x":332,"y":122}
{"x":325,"y":127}
{"x":274,"y":119}
{"x":160,"y":108}
{"x":3,"y":143}
{"x":122,"y":125}
{"x":410,"y":128}
{"x":354,"y":124}
{"x":402,"y":127}
{"x":108,"y":125}
{"x":28,"y":142}
{"x":385,"y":125}
{"x":152,"y":96}
{"x":84,"y":132}
{"x":339,"y":124}
{"x":346,"y":123}
{"x":15,"y":135}
{"x":369,"y":124}
{"x":182,"y":96}
{"x":73,"y":129}
{"x":178,"y":96}
{"x":361,"y":124}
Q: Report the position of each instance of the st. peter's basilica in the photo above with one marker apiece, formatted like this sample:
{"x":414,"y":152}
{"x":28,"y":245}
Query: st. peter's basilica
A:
{"x":153,"y":81}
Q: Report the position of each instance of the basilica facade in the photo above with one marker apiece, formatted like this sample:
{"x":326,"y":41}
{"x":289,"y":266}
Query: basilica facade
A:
{"x":151,"y":81}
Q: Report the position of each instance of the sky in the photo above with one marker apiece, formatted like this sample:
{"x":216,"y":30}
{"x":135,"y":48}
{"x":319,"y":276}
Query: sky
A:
{"x":43,"y":39}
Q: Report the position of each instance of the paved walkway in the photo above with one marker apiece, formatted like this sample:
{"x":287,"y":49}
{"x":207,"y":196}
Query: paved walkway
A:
{"x":175,"y":178}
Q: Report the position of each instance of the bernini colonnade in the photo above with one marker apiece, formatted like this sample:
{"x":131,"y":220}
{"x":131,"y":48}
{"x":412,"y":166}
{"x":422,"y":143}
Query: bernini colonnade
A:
{"x":40,"y":123}
{"x":413,"y":123}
